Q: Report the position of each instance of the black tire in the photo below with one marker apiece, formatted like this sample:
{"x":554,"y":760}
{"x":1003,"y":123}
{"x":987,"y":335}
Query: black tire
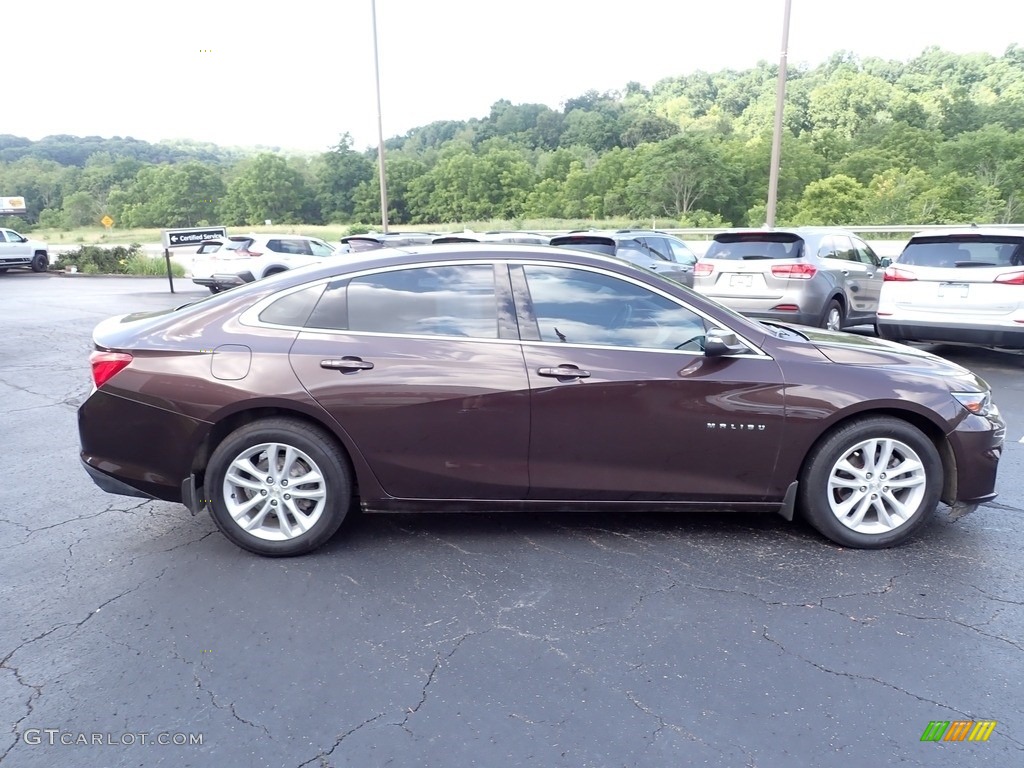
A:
{"x":918,"y":490}
{"x":275,"y":271}
{"x":40,"y":262}
{"x":275,"y":535}
{"x":2,"y":270}
{"x":214,"y":289}
{"x":833,"y":313}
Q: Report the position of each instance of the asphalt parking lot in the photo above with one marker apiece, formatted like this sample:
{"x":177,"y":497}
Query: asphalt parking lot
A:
{"x":476,"y":640}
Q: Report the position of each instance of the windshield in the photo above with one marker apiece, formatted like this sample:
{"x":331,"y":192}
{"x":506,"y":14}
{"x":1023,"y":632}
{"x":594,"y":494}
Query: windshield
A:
{"x":967,"y":251}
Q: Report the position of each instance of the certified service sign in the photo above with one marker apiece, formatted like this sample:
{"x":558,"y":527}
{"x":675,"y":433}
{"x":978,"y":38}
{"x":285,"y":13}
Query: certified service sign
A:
{"x":9,"y":205}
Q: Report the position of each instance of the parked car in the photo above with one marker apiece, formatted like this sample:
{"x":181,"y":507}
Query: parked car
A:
{"x":496,"y":377}
{"x":244,"y":258}
{"x":209,"y":246}
{"x":818,"y":276}
{"x":525,"y":238}
{"x":667,"y":245}
{"x":630,"y":247}
{"x":373,"y":240}
{"x":961,"y":285}
{"x":16,"y":250}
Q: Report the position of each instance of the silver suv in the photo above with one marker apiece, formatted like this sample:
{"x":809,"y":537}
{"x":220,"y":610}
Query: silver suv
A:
{"x":821,"y":276}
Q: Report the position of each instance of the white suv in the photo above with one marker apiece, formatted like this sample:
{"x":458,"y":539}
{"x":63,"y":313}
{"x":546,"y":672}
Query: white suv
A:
{"x":244,"y":258}
{"x":963,"y":285}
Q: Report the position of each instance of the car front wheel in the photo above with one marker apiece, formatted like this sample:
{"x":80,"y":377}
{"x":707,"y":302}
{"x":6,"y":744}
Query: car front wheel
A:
{"x":871,"y":483}
{"x":278,"y":487}
{"x":40,"y":262}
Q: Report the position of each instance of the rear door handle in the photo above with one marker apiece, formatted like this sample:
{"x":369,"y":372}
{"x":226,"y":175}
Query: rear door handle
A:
{"x":564,"y":372}
{"x":346,"y":364}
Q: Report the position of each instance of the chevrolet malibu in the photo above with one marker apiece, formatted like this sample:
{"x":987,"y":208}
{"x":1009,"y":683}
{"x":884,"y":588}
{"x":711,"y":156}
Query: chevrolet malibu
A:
{"x":482,"y":376}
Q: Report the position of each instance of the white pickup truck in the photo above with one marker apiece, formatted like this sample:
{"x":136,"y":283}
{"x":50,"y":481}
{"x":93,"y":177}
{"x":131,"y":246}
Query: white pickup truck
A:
{"x":18,"y":251}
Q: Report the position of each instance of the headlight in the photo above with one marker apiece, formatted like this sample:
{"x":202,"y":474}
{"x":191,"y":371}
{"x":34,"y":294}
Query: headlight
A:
{"x":979,"y":403}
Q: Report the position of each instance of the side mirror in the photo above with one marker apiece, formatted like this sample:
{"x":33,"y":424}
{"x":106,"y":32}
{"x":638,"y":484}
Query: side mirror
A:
{"x":719,"y":342}
{"x":886,"y":261}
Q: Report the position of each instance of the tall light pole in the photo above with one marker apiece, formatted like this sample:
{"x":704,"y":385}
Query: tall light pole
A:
{"x":380,"y":128}
{"x":780,"y":103}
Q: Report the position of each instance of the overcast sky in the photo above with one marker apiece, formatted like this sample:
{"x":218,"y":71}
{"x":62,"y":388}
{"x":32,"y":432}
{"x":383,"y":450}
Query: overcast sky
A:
{"x":299,"y":73}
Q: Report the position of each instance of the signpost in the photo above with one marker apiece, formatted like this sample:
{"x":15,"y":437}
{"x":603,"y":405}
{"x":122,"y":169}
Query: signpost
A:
{"x":107,"y":222}
{"x":177,"y":238}
{"x":180,"y":238}
{"x":12,"y":206}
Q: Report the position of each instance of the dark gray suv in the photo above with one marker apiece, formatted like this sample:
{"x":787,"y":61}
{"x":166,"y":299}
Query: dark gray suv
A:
{"x":656,"y":251}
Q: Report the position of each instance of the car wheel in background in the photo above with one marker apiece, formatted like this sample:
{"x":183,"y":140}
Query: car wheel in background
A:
{"x":871,"y":483}
{"x":278,"y":487}
{"x":40,"y":262}
{"x":833,"y":317}
{"x":214,"y":289}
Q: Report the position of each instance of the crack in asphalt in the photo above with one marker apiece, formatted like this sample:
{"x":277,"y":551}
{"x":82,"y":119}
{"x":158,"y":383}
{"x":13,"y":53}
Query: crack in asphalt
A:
{"x":438,"y":661}
{"x":990,"y":596}
{"x":965,"y":625}
{"x":855,"y":676}
{"x":30,"y":532}
{"x":37,"y":690}
{"x":322,"y":756}
{"x":230,"y":707}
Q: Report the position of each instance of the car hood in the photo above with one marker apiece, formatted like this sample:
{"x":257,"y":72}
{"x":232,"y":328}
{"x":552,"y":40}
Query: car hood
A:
{"x":866,"y":351}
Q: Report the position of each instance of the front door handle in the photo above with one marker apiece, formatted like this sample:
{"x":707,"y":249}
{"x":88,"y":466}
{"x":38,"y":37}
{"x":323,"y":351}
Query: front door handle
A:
{"x":346,"y":364}
{"x":564,"y":372}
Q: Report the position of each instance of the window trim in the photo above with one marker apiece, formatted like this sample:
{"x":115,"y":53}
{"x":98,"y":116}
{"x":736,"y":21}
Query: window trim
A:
{"x":251,"y":316}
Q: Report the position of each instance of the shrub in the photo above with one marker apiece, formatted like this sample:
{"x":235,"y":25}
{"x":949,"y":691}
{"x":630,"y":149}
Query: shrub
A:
{"x":94,"y":259}
{"x":155,"y":267}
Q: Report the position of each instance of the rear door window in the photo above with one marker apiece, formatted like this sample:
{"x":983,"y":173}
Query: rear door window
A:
{"x":433,"y":301}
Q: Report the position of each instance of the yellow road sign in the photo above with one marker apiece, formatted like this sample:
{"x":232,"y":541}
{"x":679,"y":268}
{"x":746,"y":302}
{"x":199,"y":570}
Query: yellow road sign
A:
{"x":107,"y":222}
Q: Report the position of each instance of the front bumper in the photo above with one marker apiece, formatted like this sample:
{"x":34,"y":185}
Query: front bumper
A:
{"x":977,"y":445}
{"x":953,"y":333}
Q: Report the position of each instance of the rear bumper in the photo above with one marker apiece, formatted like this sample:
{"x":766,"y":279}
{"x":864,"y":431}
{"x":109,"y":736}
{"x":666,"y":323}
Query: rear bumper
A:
{"x":954,"y":333}
{"x":226,"y":280}
{"x":149,"y":460}
{"x":111,"y":484}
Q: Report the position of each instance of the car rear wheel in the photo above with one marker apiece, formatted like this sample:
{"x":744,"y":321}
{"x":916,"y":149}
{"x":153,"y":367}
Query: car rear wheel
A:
{"x":213,"y":289}
{"x":833,"y":317}
{"x":278,"y":487}
{"x":871,"y":483}
{"x":40,"y":262}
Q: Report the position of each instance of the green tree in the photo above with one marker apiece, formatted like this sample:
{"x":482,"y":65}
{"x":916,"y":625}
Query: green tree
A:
{"x":266,"y":188}
{"x":837,"y":200}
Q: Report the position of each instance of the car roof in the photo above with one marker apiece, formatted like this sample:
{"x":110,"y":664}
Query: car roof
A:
{"x":969,"y":231}
{"x":414,"y":255}
{"x":799,"y":231}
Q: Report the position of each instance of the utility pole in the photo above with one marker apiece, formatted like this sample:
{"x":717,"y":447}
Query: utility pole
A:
{"x":780,"y":103}
{"x":380,"y":128}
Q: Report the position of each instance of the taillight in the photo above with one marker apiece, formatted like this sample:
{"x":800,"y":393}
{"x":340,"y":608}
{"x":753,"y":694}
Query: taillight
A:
{"x":1011,"y":278}
{"x":800,"y":271}
{"x":106,"y":365}
{"x":893,"y":274}
{"x":703,"y":269}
